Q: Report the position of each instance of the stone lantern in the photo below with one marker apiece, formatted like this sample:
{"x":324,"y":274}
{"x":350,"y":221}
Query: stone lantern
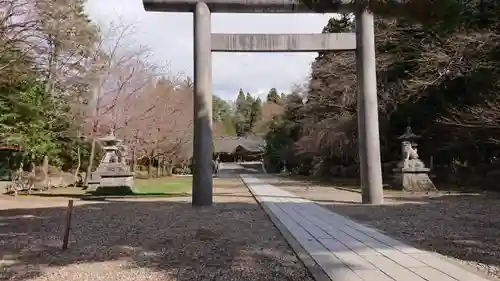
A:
{"x":411,"y":173}
{"x":113,"y":175}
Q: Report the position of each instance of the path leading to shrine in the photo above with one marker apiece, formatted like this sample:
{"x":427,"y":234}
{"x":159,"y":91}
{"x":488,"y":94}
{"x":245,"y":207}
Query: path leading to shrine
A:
{"x":337,"y":248}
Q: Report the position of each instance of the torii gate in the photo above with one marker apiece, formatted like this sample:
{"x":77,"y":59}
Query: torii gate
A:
{"x":205,"y":43}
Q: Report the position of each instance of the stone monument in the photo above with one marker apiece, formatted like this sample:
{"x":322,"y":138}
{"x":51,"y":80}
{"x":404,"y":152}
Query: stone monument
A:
{"x":411,"y":173}
{"x":113,"y":175}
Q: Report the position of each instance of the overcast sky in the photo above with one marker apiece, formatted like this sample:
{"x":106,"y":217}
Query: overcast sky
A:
{"x":169,"y":36}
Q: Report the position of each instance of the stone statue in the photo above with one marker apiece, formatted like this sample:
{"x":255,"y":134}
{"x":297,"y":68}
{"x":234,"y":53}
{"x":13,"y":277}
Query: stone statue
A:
{"x":409,"y":152}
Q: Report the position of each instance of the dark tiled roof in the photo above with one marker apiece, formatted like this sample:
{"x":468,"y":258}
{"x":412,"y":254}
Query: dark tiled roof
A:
{"x":4,"y":146}
{"x":231,"y":144}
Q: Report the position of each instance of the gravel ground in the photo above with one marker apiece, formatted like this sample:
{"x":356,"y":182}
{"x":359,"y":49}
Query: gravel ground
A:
{"x":465,"y":227}
{"x":144,"y":239}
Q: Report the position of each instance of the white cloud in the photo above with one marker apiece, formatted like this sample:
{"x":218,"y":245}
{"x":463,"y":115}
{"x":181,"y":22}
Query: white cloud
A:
{"x":169,"y":36}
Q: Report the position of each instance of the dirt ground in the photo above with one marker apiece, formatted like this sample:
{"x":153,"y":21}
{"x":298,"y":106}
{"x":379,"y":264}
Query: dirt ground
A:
{"x":144,"y":239}
{"x":462,"y":226}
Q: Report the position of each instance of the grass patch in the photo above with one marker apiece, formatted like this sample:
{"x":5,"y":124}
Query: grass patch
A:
{"x":156,"y":187}
{"x":163,"y":186}
{"x":172,"y":186}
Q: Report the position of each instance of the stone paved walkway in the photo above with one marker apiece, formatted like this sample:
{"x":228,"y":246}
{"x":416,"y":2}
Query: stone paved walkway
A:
{"x":349,"y":251}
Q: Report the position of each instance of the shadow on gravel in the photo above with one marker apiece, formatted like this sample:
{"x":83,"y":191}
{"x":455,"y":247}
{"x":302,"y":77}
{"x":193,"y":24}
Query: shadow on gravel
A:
{"x":96,"y":196}
{"x":230,"y":241}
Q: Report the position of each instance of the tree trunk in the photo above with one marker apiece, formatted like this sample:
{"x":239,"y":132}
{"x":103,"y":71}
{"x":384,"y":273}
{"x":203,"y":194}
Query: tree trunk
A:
{"x":31,"y":177}
{"x":164,"y":167}
{"x":150,"y":166}
{"x":78,"y":165}
{"x":91,"y":163}
{"x":158,"y":166}
{"x":132,"y":165}
{"x":45,"y":169}
{"x":95,"y":129}
{"x":168,"y":167}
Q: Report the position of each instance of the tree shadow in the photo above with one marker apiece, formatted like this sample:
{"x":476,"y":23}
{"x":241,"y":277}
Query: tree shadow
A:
{"x":330,"y":182}
{"x":432,"y":197}
{"x":463,"y":226}
{"x":232,"y":241}
{"x":353,"y":184}
{"x":252,"y":167}
{"x":223,"y":194}
{"x":92,"y":195}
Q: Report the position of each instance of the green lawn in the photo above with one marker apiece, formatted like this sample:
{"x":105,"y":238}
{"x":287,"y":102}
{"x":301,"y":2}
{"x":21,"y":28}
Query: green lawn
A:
{"x":174,"y":185}
{"x":163,"y":186}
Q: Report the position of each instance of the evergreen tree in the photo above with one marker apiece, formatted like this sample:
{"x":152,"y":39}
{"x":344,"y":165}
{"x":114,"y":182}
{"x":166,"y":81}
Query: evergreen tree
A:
{"x":240,"y":101}
{"x":283,"y":97}
{"x":273,"y":96}
{"x":240,"y":115}
{"x":255,"y":113}
{"x":221,"y":109}
{"x":248,"y":112}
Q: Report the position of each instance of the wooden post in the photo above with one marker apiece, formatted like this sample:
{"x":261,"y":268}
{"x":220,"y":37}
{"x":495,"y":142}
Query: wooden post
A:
{"x":67,"y":227}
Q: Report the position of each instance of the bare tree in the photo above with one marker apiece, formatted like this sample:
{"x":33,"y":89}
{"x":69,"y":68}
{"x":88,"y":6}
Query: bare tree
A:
{"x":64,"y":43}
{"x":119,"y":72}
{"x":17,"y":31}
{"x":158,"y":122}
